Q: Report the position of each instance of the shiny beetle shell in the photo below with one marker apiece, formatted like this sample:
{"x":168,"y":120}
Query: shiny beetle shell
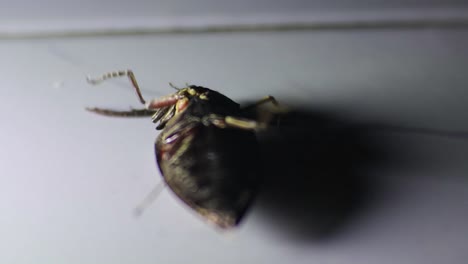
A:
{"x":210,"y":168}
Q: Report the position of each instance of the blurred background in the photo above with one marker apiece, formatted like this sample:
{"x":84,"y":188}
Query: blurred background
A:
{"x":370,"y":167}
{"x":54,"y":16}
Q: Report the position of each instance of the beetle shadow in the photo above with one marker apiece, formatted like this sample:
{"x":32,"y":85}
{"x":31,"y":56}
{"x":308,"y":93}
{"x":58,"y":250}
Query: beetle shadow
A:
{"x":315,"y":173}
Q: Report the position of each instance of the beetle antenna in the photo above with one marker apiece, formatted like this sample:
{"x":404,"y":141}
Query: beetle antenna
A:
{"x":175,"y":87}
{"x":115,"y":74}
{"x":149,"y":199}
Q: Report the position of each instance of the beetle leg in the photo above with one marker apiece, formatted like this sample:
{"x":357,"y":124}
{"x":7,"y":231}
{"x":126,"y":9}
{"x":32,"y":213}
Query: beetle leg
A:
{"x":163,"y":119}
{"x":115,"y":74}
{"x":244,"y":123}
{"x":159,"y":114}
{"x":266,"y":115}
{"x":276,"y":109}
{"x":266,"y":99}
{"x":233,"y":122}
{"x":117,"y":113}
{"x":149,"y":199}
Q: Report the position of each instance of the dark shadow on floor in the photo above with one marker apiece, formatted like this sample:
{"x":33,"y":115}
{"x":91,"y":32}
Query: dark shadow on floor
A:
{"x":315,"y":177}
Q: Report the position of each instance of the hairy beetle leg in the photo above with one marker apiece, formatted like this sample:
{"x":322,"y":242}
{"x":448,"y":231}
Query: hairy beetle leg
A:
{"x":115,"y":74}
{"x":116,"y":113}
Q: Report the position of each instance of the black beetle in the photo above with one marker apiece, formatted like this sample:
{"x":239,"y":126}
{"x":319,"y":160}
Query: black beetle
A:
{"x":207,"y":151}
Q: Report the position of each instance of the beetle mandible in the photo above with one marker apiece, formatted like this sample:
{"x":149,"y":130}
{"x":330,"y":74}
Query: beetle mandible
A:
{"x":207,"y":151}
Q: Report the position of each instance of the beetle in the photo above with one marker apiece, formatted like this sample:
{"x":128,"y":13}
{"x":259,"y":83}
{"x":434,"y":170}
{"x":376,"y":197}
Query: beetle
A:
{"x":207,"y":151}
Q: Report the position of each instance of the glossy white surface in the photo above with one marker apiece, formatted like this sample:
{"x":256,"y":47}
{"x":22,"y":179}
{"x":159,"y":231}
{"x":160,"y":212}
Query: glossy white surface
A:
{"x":69,"y":180}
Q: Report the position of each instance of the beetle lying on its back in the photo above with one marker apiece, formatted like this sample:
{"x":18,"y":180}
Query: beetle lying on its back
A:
{"x":207,"y":151}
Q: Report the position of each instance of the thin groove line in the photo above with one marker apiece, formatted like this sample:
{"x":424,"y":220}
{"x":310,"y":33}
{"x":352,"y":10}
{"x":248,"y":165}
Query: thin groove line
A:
{"x":316,"y":26}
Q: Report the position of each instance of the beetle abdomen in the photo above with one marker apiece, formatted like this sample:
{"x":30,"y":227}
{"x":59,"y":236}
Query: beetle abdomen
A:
{"x":211,"y":169}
